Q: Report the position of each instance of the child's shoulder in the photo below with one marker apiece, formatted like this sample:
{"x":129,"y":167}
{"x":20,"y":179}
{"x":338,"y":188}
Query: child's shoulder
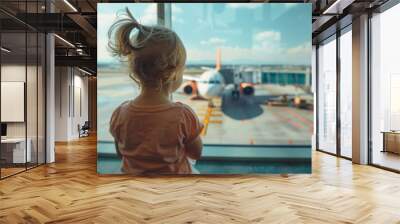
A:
{"x":120,"y":108}
{"x":185,"y":107}
{"x":187,"y":111}
{"x":116,"y":118}
{"x":128,"y":107}
{"x":123,"y":105}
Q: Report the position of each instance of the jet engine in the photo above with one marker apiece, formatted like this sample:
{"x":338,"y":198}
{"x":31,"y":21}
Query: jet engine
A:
{"x":189,"y":88}
{"x":247,"y":88}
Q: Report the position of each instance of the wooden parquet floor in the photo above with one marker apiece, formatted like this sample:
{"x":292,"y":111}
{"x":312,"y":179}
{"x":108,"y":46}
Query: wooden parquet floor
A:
{"x":70,"y":191}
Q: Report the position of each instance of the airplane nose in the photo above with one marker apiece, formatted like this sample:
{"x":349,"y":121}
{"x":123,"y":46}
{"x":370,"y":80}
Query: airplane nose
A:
{"x":212,"y":91}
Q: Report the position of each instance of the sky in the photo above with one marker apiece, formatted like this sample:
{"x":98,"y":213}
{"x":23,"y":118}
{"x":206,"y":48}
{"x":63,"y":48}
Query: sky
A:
{"x":246,"y":33}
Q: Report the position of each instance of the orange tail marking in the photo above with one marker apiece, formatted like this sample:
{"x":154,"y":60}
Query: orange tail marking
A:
{"x":218,"y":60}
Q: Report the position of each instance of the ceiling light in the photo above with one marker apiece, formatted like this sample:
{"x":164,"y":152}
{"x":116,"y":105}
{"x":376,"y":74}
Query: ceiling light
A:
{"x":5,"y":50}
{"x":70,"y":5}
{"x":333,"y":6}
{"x":64,"y":40}
{"x":337,"y":7}
{"x":84,"y":71}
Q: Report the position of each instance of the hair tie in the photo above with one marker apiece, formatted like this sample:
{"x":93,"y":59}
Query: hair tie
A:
{"x":139,"y":27}
{"x":134,"y":21}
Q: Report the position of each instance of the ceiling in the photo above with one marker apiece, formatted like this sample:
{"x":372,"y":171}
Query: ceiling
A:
{"x":75,"y":21}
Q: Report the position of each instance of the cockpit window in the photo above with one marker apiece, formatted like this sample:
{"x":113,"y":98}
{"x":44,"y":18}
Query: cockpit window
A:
{"x":214,"y":82}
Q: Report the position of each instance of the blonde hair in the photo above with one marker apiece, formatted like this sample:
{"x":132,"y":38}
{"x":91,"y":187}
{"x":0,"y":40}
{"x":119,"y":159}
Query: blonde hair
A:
{"x":154,"y":53}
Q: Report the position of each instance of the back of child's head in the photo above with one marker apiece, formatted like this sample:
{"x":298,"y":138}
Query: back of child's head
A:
{"x":155,"y":54}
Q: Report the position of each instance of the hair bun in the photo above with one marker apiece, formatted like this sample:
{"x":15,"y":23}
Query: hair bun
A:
{"x":154,"y":53}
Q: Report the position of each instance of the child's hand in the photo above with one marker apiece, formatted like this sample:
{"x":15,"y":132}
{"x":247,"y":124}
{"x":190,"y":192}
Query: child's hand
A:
{"x":194,"y":148}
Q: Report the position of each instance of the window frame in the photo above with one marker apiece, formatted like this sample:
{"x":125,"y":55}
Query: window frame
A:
{"x":337,"y":34}
{"x":27,"y":29}
{"x":379,"y":10}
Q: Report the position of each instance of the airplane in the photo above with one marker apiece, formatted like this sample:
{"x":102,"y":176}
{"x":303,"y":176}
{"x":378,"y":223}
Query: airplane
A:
{"x":211,"y":83}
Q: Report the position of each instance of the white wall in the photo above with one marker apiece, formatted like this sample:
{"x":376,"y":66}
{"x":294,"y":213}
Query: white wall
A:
{"x":50,"y":93}
{"x":62,"y":80}
{"x":79,"y":115}
{"x":314,"y":91}
{"x":71,"y":93}
{"x":12,"y":73}
{"x":33,"y":127}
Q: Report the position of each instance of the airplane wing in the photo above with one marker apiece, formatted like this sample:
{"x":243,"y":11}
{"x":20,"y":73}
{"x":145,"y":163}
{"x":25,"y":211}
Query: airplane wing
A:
{"x":191,"y":78}
{"x":206,"y":68}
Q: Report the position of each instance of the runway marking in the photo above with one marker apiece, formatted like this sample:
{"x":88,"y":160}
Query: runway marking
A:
{"x":288,"y":120}
{"x":212,"y":115}
{"x":215,"y":121}
{"x":204,"y":130}
{"x":207,"y":121}
{"x":305,"y":121}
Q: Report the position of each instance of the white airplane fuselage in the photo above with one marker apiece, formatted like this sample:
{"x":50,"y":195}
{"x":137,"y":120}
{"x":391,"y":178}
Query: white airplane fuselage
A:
{"x":211,"y":84}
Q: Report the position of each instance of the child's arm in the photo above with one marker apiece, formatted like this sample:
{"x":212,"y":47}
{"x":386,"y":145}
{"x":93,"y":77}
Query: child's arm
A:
{"x":194,"y":148}
{"x":117,"y":150}
{"x":114,"y":129}
{"x":192,"y":130}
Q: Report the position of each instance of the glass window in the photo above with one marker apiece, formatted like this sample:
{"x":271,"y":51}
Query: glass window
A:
{"x":22,"y":91}
{"x":261,"y":96}
{"x":247,"y":77}
{"x":385,"y":84}
{"x":14,"y":151}
{"x":41,"y":85}
{"x":327,"y":96}
{"x":32,"y":101}
{"x":346,"y":94}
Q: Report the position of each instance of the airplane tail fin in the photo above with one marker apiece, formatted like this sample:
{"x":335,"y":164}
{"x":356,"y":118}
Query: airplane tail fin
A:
{"x":218,"y":60}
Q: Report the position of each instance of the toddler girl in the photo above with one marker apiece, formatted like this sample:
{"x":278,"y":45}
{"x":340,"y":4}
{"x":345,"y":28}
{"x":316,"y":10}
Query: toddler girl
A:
{"x":152,"y":134}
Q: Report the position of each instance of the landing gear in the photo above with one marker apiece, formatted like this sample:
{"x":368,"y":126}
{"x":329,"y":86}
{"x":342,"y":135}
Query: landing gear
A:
{"x":235,"y":92}
{"x":210,"y":103}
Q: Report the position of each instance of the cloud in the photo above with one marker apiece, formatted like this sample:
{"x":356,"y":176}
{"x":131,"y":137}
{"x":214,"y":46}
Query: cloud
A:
{"x":241,"y":55}
{"x":149,"y":16}
{"x":234,"y":55}
{"x":213,"y":41}
{"x":176,"y":9}
{"x":267,"y":36}
{"x":102,"y":52}
{"x":301,"y":49}
{"x":268,"y":40}
{"x":105,"y":20}
{"x":289,"y":5}
{"x":243,"y":5}
{"x":300,"y":54}
{"x":260,"y":52}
